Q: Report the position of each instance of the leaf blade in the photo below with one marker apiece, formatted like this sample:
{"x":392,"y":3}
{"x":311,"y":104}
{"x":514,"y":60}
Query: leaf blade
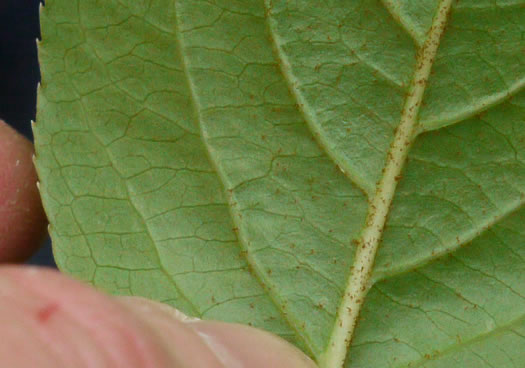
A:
{"x":477,"y":183}
{"x":168,"y":151}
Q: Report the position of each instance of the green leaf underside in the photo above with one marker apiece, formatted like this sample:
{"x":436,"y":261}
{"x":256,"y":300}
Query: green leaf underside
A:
{"x":219,"y":155}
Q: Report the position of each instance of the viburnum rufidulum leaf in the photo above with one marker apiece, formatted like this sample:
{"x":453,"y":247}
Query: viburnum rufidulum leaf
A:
{"x":346,"y":174}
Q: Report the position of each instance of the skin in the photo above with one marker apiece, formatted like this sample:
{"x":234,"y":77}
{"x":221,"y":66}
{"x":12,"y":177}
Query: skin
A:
{"x":51,"y":320}
{"x":22,"y":220}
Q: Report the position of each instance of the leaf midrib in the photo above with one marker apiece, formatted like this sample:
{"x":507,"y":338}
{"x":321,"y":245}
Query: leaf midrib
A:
{"x":359,"y":282}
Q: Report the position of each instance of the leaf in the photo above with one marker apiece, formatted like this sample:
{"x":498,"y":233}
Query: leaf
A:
{"x":228,"y":157}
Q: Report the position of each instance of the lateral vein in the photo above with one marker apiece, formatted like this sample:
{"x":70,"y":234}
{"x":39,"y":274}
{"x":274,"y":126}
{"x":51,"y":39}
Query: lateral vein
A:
{"x":406,"y":25}
{"x":359,"y":281}
{"x":255,"y":268}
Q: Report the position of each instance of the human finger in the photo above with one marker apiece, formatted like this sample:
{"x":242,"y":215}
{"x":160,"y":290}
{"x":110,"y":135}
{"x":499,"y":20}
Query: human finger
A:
{"x":49,"y":320}
{"x":22,"y":219}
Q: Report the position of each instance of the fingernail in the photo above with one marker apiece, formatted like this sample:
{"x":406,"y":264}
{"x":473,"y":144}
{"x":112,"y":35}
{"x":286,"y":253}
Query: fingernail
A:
{"x":240,"y":346}
{"x":148,"y":305}
{"x":211,"y":343}
{"x":220,"y":350}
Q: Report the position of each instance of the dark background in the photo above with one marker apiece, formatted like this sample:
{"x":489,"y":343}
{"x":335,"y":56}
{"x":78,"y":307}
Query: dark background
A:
{"x":19,"y":75}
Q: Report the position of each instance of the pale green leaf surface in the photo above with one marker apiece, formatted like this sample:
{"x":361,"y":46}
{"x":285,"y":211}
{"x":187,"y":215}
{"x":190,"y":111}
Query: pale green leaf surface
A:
{"x":218,"y":156}
{"x":414,"y":16}
{"x":352,"y":84}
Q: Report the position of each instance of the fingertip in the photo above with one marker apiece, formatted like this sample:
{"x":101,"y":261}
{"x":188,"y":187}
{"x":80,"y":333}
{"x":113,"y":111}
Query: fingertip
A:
{"x":22,"y":218}
{"x":88,"y":328}
{"x":230,"y":344}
